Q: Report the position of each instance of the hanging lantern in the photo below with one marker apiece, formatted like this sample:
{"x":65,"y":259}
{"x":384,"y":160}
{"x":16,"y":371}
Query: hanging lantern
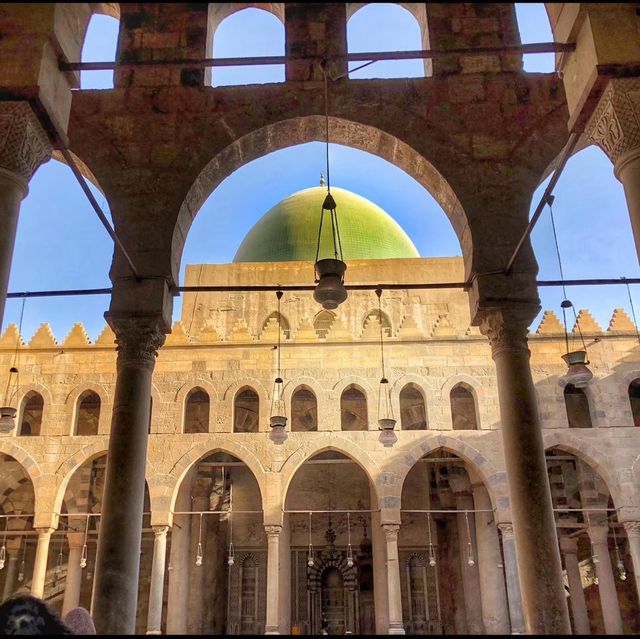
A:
{"x":310,"y":561}
{"x":349,"y":551}
{"x":231,"y":560}
{"x":432,"y":552}
{"x":7,"y":412}
{"x":470,"y":560}
{"x":386,"y":420}
{"x":3,"y":556}
{"x":278,"y":418}
{"x":619,"y":563}
{"x":577,"y":373}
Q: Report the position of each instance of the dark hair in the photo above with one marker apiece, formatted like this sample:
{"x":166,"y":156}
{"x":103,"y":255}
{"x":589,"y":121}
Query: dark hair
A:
{"x":27,"y":615}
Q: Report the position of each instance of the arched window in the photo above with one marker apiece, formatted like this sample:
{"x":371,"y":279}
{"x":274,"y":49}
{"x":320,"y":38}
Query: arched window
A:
{"x":31,"y":418}
{"x":577,"y":406}
{"x":88,"y":414}
{"x":245,"y":413}
{"x":304,"y":411}
{"x":100,"y":44}
{"x":463,"y":408}
{"x":323,"y":322}
{"x":196,"y":412}
{"x":387,"y":26}
{"x":353,"y":409}
{"x":634,"y":399}
{"x":284,"y":323}
{"x":413,"y":415}
{"x":378,"y":316}
{"x":246,"y":33}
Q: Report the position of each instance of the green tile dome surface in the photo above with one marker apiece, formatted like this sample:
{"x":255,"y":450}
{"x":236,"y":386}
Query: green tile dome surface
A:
{"x":289,"y":231}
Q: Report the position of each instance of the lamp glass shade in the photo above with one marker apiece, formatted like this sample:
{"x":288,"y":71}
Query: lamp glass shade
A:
{"x":577,"y":373}
{"x":387,"y":437}
{"x":330,"y":291}
{"x":7,"y":419}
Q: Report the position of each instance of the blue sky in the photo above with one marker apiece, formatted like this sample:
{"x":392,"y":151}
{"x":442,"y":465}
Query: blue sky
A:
{"x":60,"y":243}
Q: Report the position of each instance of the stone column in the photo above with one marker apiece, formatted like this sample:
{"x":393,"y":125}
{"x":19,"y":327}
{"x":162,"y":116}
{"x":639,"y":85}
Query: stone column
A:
{"x":514,"y":597}
{"x":614,"y":127}
{"x":156,"y":589}
{"x":273,"y":587}
{"x":40,"y":562}
{"x":543,"y":596}
{"x":13,"y":559}
{"x":633,"y":535}
{"x":380,"y":581}
{"x":495,"y":612}
{"x":393,"y":579}
{"x":569,"y":550}
{"x":606,"y":582}
{"x":118,"y":555}
{"x":73,"y":582}
{"x":23,"y":148}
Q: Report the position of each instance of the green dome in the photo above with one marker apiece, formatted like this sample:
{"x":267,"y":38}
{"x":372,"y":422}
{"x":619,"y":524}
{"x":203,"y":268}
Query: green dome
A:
{"x":289,"y":231}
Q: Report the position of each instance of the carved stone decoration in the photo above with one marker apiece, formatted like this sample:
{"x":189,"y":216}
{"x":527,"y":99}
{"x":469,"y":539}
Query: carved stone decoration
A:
{"x":632,"y":528}
{"x":506,"y":331}
{"x":506,"y":529}
{"x":391,"y":531}
{"x":138,"y":339}
{"x":24,"y":146}
{"x":615,"y":123}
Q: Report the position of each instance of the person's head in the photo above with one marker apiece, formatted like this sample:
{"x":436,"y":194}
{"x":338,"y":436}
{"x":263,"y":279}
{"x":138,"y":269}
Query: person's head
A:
{"x":79,"y":622}
{"x":27,"y":615}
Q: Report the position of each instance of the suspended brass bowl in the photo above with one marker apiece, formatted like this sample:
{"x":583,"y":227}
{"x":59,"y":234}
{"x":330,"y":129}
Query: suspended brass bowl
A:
{"x":578,"y":373}
{"x":330,"y":291}
{"x":386,"y":424}
{"x":7,"y":419}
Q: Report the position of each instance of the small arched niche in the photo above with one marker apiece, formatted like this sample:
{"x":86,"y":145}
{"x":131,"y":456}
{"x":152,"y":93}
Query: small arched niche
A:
{"x":246,"y":407}
{"x":413,"y":413}
{"x":464,"y":412}
{"x":353,"y":409}
{"x":31,"y":414}
{"x":88,"y":414}
{"x":196,"y":412}
{"x":634,"y":400}
{"x":276,"y":319}
{"x":577,"y":405}
{"x":323,"y":322}
{"x":377,"y":317}
{"x":304,"y":410}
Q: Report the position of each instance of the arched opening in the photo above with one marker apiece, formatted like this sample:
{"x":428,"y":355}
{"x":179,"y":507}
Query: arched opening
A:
{"x":413,"y":413}
{"x":245,"y":33}
{"x":353,"y":409}
{"x":373,"y":320}
{"x":323,"y":322}
{"x":17,"y":504}
{"x":464,"y":413}
{"x":246,"y":411}
{"x":594,"y":548}
{"x":388,"y":26}
{"x":634,"y":400}
{"x":100,"y":44}
{"x":304,"y":411}
{"x":533,"y":24}
{"x":88,"y":414}
{"x":217,"y":554}
{"x":31,"y":415}
{"x":196,"y":412}
{"x":75,"y":543}
{"x":448,"y":530}
{"x":577,"y":406}
{"x":329,"y":522}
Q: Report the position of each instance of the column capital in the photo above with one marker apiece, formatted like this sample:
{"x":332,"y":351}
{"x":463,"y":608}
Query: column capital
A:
{"x":160,"y":531}
{"x":272,"y":531}
{"x":24,"y":145}
{"x":391,"y":531}
{"x":506,"y":528}
{"x":507,"y":328}
{"x":43,"y":532}
{"x":615,"y":123}
{"x":632,"y":528}
{"x":138,"y":338}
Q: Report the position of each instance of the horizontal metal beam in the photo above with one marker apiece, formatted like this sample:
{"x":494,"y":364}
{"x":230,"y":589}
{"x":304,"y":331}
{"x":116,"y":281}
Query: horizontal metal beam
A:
{"x":373,"y":56}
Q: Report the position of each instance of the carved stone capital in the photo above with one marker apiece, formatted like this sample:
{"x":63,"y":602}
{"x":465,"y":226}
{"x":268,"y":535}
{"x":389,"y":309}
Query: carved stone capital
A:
{"x":160,"y":531}
{"x":632,"y":528}
{"x":506,"y":529}
{"x":273,"y":532}
{"x":24,"y":146}
{"x":391,"y":531}
{"x":507,"y":331}
{"x":615,"y":123}
{"x":138,"y":339}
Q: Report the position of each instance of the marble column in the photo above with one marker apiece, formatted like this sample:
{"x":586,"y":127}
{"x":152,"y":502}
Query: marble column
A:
{"x":470,"y":575}
{"x":396,"y":626}
{"x":23,"y":148}
{"x":606,"y":581}
{"x":542,"y":587}
{"x":380,"y":588}
{"x":633,"y":535}
{"x":569,"y":550}
{"x":495,"y":611}
{"x":73,"y":582}
{"x":13,"y":560}
{"x":156,"y":589}
{"x":40,"y":562}
{"x":514,"y":597}
{"x":118,"y":555}
{"x":614,"y":127}
{"x":273,"y":587}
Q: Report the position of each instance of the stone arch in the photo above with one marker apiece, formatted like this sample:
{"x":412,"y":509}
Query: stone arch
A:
{"x":363,"y":386}
{"x":47,"y":401}
{"x":72,"y":404}
{"x":420,"y":383}
{"x":472,"y":384}
{"x":28,"y":463}
{"x":383,"y":318}
{"x":185,"y":390}
{"x":174,"y":478}
{"x":313,"y":386}
{"x":573,"y":407}
{"x":338,"y":444}
{"x":311,"y":128}
{"x":229,"y":399}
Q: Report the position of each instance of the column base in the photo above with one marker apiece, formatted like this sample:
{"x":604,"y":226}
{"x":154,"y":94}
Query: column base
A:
{"x":154,"y":632}
{"x":272,"y":631}
{"x":397,"y":631}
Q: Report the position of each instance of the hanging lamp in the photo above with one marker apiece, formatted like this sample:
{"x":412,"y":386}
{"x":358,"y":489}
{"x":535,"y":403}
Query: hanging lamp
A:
{"x":21,"y":568}
{"x":622,"y":573}
{"x":310,"y":561}
{"x":432,"y":551}
{"x":83,"y":555}
{"x":349,"y":551}
{"x":7,"y":410}
{"x":3,"y":550}
{"x":278,"y":418}
{"x":470,"y":559}
{"x":231,"y":559}
{"x":578,"y":373}
{"x":199,"y":547}
{"x":386,"y":420}
{"x":329,"y":271}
